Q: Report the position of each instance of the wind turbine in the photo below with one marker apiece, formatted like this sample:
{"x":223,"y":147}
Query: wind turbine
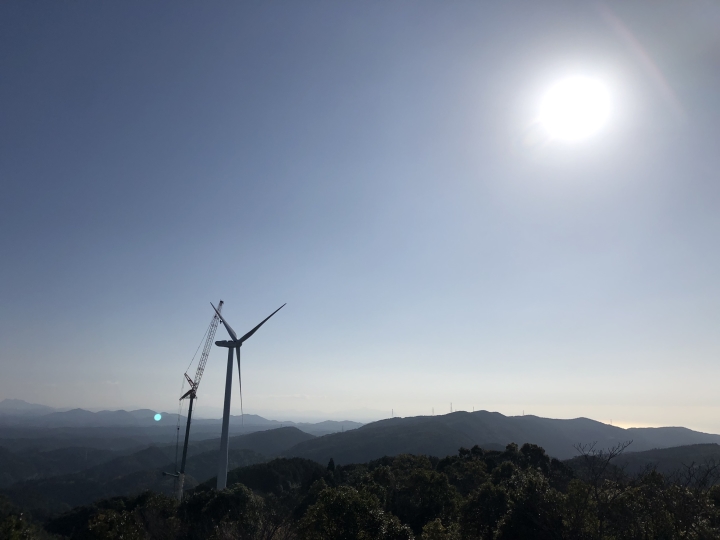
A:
{"x":235,"y":344}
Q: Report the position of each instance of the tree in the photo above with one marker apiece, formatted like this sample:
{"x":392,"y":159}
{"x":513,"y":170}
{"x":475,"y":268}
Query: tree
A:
{"x":231,"y":513}
{"x":114,"y":525}
{"x":466,"y":472}
{"x":602,"y":480}
{"x":434,"y":530}
{"x":345,"y":513}
{"x":422,"y":496}
{"x":534,"y":509}
{"x":482,"y":511}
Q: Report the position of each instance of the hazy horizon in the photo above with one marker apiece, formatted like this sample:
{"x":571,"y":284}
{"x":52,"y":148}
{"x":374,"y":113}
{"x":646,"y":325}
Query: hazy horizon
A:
{"x":363,"y":416}
{"x":379,"y":167}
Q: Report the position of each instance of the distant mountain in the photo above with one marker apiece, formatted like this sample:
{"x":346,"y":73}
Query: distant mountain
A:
{"x":270,"y":443}
{"x":118,"y":438}
{"x":120,"y":475}
{"x":669,"y":460}
{"x":71,"y":418}
{"x":125,"y":475}
{"x":18,"y":407}
{"x":44,"y":491}
{"x":385,"y":438}
{"x":443,"y":435}
{"x":84,"y":418}
{"x":327,"y":427}
{"x":14,"y":467}
{"x":665,"y":437}
{"x":34,"y":464}
{"x":345,"y":441}
{"x":201,"y":467}
{"x":39,"y":416}
{"x":319,"y":428}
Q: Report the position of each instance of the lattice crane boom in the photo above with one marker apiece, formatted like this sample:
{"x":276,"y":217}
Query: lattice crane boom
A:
{"x":208,"y":345}
{"x":204,"y":356}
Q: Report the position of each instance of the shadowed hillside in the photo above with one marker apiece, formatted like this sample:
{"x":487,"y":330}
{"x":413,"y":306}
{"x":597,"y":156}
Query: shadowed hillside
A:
{"x":31,"y":464}
{"x":277,"y":476}
{"x":36,"y":480}
{"x":670,"y":461}
{"x":442,"y":435}
{"x":269,"y":443}
{"x":125,"y":475}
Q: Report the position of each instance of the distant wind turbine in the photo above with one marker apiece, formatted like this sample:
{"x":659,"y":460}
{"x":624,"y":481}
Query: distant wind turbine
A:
{"x":235,"y":344}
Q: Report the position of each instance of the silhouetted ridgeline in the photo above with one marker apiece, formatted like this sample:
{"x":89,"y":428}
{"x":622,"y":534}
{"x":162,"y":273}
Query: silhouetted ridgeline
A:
{"x":29,"y":417}
{"x":442,"y":435}
{"x":123,"y":431}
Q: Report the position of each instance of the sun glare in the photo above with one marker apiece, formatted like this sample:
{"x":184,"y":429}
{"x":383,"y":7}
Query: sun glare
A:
{"x":575,"y":108}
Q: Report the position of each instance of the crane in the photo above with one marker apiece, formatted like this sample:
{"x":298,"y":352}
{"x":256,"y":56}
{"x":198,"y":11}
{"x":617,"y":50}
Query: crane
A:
{"x":192,"y":393}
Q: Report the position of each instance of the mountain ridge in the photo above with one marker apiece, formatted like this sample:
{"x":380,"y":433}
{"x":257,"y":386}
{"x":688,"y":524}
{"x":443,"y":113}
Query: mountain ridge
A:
{"x":442,"y":435}
{"x":14,"y":413}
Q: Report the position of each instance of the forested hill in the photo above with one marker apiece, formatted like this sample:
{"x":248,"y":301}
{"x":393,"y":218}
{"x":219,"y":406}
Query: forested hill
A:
{"x":443,"y":435}
{"x":269,"y":443}
{"x":46,"y":483}
{"x":517,"y":493}
{"x":671,"y":461}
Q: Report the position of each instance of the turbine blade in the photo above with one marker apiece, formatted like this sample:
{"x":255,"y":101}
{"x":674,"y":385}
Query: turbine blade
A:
{"x":242,"y":414}
{"x":251,"y":332}
{"x":225,"y":324}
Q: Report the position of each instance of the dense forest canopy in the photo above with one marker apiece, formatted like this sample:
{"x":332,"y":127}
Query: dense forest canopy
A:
{"x":518,"y":493}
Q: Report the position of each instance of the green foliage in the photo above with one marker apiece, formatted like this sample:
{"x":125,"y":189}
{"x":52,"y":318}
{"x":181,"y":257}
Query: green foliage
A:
{"x":534,"y":509}
{"x":434,"y":530}
{"x":466,"y":474}
{"x":424,"y":495}
{"x":277,"y":476}
{"x":112,"y":525}
{"x":234,"y":512}
{"x":483,"y":510}
{"x":14,"y":525}
{"x":148,"y":514}
{"x":515,"y":494}
{"x":345,"y":513}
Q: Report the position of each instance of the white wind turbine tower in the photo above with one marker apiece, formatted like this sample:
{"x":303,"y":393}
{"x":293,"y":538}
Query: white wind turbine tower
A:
{"x":235,"y":344}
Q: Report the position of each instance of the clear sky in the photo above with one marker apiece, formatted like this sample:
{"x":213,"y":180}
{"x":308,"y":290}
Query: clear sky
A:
{"x":379,"y":167}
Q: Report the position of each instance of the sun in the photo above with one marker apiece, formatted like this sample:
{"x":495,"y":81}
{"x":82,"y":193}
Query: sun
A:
{"x":575,"y":108}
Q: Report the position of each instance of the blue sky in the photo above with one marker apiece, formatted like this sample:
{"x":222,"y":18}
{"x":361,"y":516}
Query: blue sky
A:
{"x":371,"y":164}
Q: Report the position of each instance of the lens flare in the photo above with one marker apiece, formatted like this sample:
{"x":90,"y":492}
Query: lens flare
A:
{"x":157,"y":417}
{"x":575,"y":108}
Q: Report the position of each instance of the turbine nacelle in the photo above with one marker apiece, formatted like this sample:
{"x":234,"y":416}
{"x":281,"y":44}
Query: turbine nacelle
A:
{"x":229,"y":344}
